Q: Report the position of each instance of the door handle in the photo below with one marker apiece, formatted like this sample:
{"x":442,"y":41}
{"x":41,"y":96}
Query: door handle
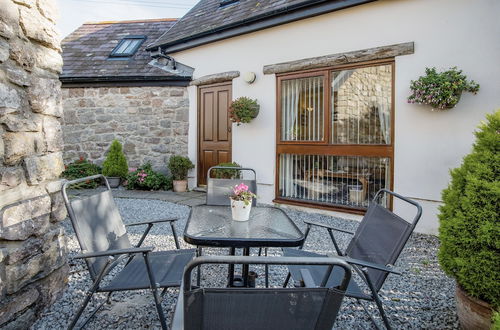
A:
{"x":229,"y":129}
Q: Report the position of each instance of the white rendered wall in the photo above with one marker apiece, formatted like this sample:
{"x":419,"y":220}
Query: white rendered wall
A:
{"x":446,"y":33}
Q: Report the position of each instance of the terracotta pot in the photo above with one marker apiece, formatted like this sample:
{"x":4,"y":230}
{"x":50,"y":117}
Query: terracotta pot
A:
{"x":114,"y":182}
{"x":240,"y":211}
{"x":472,"y":313}
{"x":180,"y":185}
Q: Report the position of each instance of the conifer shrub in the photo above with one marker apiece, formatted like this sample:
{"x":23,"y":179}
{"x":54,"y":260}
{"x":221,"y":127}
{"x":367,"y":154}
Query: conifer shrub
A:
{"x":115,"y":164}
{"x":469,"y":217}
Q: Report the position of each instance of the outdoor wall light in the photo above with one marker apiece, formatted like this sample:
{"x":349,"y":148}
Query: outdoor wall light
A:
{"x":249,"y":77}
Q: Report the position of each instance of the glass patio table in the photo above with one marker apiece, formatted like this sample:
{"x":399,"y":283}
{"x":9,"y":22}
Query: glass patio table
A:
{"x":267,"y":227}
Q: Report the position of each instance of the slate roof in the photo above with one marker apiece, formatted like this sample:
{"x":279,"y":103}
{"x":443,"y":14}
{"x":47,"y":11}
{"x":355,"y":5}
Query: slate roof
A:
{"x":208,"y":17}
{"x":86,"y":52}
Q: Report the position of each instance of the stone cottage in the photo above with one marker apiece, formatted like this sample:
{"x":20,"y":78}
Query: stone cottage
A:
{"x":33,"y":267}
{"x":332,"y":80}
{"x":112,"y":88}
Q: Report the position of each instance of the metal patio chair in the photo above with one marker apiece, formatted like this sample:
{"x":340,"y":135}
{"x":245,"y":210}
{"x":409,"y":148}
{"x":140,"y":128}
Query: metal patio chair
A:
{"x":218,"y":190}
{"x":104,"y":244}
{"x":303,"y":308}
{"x":373,"y":249}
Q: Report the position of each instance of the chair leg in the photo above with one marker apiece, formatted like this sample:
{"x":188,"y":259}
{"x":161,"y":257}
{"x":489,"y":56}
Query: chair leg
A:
{"x":81,"y":309}
{"x":287,"y":280}
{"x":381,"y":310}
{"x":154,"y":289}
{"x":266,"y":267}
{"x":376,"y":298}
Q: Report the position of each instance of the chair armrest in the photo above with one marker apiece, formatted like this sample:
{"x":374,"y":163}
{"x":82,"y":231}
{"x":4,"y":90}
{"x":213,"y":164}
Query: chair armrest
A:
{"x":147,"y":222}
{"x":372,"y":265}
{"x":113,"y":252}
{"x":324,"y":225}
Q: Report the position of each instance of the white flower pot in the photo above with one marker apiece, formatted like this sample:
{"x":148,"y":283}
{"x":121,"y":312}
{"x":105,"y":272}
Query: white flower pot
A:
{"x":240,"y":211}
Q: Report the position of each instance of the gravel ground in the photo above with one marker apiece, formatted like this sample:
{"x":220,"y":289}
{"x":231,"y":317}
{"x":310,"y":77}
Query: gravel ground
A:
{"x":423,"y":298}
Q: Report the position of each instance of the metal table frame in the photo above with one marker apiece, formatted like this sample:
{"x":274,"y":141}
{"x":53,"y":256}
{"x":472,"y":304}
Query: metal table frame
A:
{"x":244,"y":243}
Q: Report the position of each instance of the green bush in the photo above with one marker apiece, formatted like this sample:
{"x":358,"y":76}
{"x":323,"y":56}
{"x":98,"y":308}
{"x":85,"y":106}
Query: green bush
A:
{"x":469,"y":217}
{"x":81,"y":169}
{"x":115,"y":164}
{"x":243,"y":110}
{"x":145,"y":178}
{"x":227,"y":173}
{"x":495,"y":321}
{"x":179,"y":167}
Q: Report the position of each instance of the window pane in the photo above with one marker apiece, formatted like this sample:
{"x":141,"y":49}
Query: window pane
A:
{"x":131,"y":46}
{"x":361,"y":105}
{"x":302,"y":109}
{"x":123,"y":46}
{"x":334,"y":180}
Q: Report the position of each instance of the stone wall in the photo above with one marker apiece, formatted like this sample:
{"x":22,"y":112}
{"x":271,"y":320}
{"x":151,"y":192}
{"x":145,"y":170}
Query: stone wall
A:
{"x":150,"y":122}
{"x":33,"y":268}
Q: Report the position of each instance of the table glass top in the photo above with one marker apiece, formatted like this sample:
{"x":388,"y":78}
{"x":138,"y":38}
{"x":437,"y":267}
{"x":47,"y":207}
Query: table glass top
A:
{"x":213,"y":225}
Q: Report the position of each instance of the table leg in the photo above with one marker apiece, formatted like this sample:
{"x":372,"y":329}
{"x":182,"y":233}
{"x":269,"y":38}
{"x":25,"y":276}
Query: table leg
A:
{"x":245,"y":267}
{"x":230,"y":273}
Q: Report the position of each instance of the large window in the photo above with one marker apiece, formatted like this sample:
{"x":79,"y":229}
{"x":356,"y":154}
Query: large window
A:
{"x":335,"y":143}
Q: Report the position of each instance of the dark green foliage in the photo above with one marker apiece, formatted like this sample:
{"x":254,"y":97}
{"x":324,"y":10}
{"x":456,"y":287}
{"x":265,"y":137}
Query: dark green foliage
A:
{"x":469,"y":219}
{"x":80,"y":169}
{"x":115,"y":164}
{"x":179,"y":167}
{"x":227,"y":174}
{"x":144,"y":178}
{"x":243,"y":110}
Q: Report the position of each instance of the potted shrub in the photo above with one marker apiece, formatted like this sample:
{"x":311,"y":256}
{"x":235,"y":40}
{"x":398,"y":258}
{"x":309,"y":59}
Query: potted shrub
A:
{"x":220,"y":173}
{"x":241,"y":202}
{"x":115,"y":166}
{"x":243,"y":110}
{"x":441,"y":90}
{"x":179,"y":167}
{"x":469,"y":229}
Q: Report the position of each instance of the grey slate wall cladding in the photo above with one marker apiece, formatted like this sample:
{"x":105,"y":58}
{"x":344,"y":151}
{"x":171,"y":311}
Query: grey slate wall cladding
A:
{"x":33,"y":267}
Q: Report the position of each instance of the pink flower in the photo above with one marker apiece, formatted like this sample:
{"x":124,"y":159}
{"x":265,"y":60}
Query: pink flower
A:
{"x":238,"y":189}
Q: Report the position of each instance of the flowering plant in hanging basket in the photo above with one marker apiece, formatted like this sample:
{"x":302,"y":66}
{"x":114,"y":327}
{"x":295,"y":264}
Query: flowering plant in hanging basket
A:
{"x":243,"y":110}
{"x":441,"y":90}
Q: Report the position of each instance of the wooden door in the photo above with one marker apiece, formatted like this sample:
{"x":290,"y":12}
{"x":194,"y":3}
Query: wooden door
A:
{"x":214,"y":128}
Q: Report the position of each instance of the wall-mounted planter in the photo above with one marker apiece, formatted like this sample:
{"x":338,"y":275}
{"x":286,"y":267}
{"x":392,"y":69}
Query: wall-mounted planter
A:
{"x":243,"y":110}
{"x":441,"y":90}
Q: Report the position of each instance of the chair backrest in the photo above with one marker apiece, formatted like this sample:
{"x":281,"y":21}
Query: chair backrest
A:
{"x":218,"y":190}
{"x":97,"y":223}
{"x":381,"y":236}
{"x":262,"y":308}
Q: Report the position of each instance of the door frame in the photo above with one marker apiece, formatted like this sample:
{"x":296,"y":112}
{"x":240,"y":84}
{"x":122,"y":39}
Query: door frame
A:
{"x":198,"y":124}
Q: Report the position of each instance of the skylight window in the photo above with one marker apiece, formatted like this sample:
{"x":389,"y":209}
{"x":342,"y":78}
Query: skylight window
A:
{"x":223,"y":3}
{"x":128,"y":46}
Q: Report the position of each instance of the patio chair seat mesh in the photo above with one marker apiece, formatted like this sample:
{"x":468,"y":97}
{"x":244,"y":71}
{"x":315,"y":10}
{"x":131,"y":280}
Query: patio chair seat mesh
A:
{"x":98,"y":227}
{"x":218,"y":190}
{"x":318,"y":273}
{"x":167,"y":267}
{"x":253,"y":309}
{"x":379,"y":239}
